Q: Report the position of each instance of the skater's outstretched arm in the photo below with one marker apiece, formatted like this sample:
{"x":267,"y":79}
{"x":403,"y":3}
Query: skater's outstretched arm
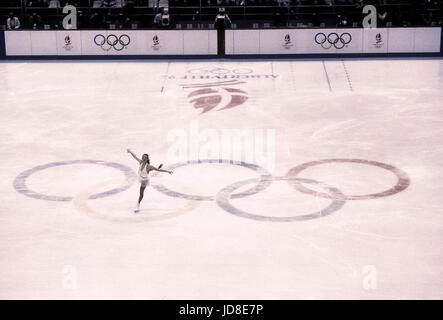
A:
{"x":158,"y":169}
{"x":135,"y":157}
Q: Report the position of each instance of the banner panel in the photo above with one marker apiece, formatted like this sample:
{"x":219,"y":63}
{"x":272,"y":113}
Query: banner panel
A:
{"x":94,"y":43}
{"x":280,"y":41}
{"x":401,"y":40}
{"x":43,"y":43}
{"x":212,"y":42}
{"x":304,"y":41}
{"x":375,"y":40}
{"x":348,"y":40}
{"x":161,"y":42}
{"x":229,"y":41}
{"x":122,"y":42}
{"x":69,"y":43}
{"x":323,"y":40}
{"x":18,"y":43}
{"x":246,"y":41}
{"x":427,"y":40}
{"x":198,"y":42}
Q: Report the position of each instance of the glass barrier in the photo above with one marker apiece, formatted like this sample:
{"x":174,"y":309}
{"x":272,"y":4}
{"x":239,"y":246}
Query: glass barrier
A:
{"x":200,"y":14}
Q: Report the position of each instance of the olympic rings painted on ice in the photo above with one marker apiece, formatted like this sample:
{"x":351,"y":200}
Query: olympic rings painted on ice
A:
{"x":20,"y":180}
{"x":223,"y":197}
{"x":333,"y":42}
{"x":80,"y":202}
{"x":117,"y":42}
{"x":402,"y":183}
{"x":262,"y":184}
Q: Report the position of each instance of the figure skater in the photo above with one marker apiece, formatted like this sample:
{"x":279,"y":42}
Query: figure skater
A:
{"x":143,"y":174}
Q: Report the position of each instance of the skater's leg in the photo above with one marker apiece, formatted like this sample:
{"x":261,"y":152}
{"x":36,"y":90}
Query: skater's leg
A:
{"x":143,"y":186}
{"x":142,"y":192}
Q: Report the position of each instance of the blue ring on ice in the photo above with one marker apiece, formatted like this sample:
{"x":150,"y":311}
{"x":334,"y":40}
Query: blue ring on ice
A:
{"x":264,"y":181}
{"x":20,"y":180}
{"x":224,"y":195}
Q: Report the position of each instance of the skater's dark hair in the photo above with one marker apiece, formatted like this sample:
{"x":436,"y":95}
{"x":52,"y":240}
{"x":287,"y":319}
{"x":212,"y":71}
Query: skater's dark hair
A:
{"x":145,"y":154}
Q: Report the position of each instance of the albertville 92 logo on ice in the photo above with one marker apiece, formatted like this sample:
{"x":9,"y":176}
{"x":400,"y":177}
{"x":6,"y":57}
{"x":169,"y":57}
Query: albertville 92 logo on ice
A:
{"x":211,"y":87}
{"x":217,"y":98}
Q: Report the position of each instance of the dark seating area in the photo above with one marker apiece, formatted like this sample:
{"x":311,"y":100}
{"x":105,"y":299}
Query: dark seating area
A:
{"x":140,"y":14}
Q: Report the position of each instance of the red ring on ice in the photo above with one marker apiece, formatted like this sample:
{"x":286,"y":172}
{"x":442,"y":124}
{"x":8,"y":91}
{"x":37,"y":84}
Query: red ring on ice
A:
{"x":402,"y":183}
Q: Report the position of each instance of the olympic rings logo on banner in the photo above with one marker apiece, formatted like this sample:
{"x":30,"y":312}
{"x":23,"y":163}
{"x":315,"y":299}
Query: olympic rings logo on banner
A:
{"x":118,"y":43}
{"x":341,"y":40}
{"x":224,"y":196}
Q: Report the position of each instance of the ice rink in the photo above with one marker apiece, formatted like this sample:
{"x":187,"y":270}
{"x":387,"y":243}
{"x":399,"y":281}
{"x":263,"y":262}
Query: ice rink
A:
{"x":343,"y":202}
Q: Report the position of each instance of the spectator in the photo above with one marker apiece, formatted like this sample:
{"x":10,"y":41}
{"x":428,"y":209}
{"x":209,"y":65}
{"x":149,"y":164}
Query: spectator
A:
{"x":35,"y":21}
{"x":158,"y":19}
{"x":195,"y":16}
{"x":54,"y":4}
{"x":163,"y":3}
{"x":109,"y":3}
{"x":382,"y":15}
{"x":97,"y":4}
{"x":283,"y":3}
{"x":128,"y":8}
{"x":13,"y":23}
{"x":81,"y":19}
{"x":278,"y":19}
{"x":120,"y":3}
{"x":125,"y":22}
{"x":36,"y":3}
{"x":359,"y":4}
{"x":342,"y":21}
{"x":162,"y":18}
{"x":95,"y":21}
{"x":222,"y":19}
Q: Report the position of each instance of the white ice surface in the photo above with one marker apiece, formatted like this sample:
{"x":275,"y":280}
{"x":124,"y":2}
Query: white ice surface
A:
{"x":389,"y":111}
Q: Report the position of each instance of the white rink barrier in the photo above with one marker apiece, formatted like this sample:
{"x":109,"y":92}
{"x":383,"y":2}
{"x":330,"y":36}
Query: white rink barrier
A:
{"x":333,"y":41}
{"x":110,"y":42}
{"x":237,"y":42}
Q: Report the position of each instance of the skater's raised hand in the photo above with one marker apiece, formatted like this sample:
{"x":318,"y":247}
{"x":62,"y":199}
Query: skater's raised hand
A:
{"x":132,"y":153}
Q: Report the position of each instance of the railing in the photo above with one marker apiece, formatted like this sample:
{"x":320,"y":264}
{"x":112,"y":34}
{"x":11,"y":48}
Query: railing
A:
{"x":401,"y":14}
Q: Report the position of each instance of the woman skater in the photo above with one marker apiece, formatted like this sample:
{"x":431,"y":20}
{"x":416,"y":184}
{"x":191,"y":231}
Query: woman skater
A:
{"x":143,"y":175}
